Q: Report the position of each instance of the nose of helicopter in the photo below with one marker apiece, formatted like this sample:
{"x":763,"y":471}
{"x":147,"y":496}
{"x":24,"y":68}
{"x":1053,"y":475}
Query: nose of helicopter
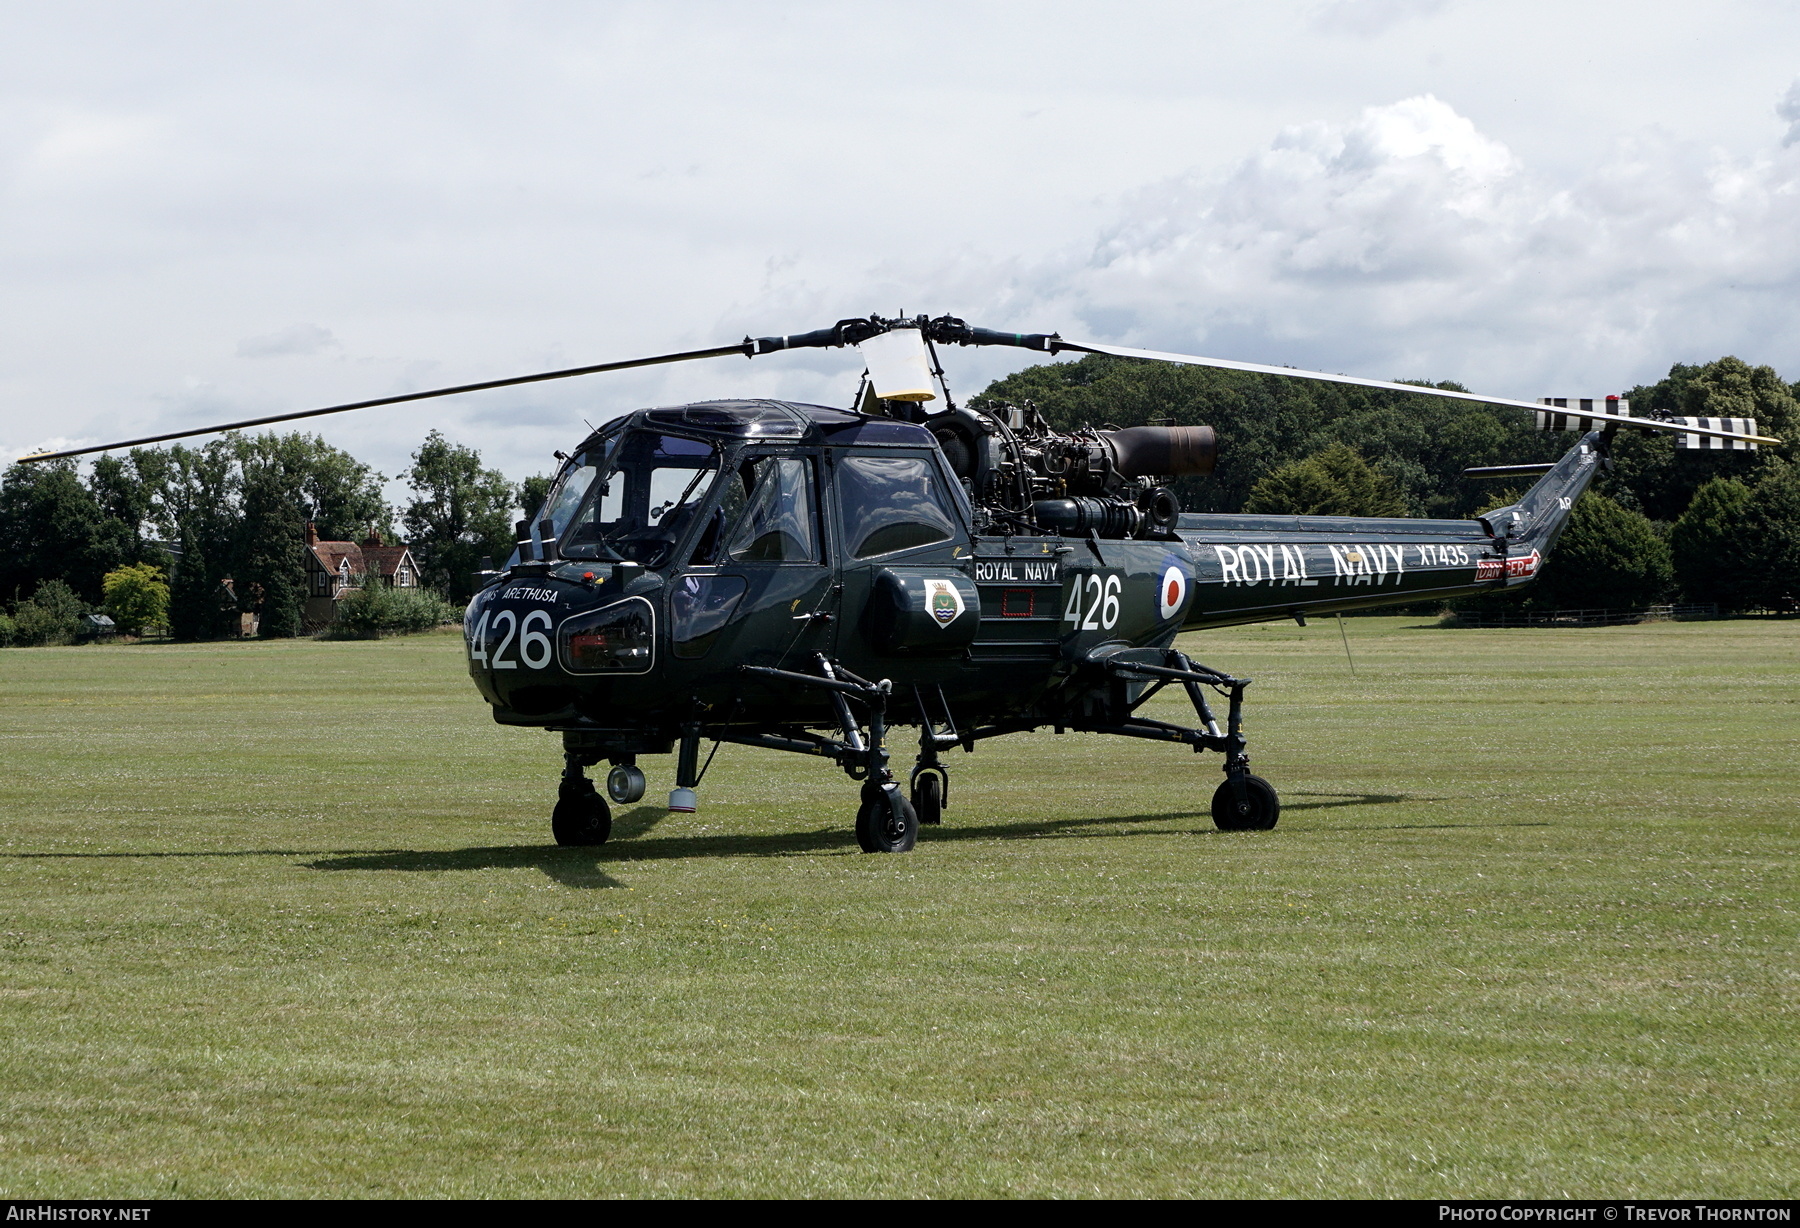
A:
{"x":529,"y":636}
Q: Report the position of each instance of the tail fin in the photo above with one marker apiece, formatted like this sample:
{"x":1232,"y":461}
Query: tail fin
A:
{"x":1531,"y":526}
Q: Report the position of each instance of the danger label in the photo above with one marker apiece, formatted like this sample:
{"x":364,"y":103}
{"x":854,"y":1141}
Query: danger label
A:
{"x":1519,"y":567}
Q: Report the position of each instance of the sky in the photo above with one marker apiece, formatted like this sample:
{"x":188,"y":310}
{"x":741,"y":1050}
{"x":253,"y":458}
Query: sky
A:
{"x":215,"y":211}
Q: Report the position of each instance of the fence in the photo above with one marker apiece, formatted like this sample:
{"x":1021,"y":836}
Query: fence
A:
{"x":1580,"y":618}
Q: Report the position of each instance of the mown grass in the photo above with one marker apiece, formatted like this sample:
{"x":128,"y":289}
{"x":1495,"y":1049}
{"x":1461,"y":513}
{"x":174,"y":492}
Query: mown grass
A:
{"x":284,"y":919}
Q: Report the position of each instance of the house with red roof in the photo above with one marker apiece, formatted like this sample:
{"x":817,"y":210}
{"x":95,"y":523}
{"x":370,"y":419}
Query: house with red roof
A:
{"x":334,"y":568}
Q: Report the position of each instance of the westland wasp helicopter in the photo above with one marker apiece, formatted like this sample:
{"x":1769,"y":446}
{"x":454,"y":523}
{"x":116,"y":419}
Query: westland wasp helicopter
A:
{"x":803,"y":578}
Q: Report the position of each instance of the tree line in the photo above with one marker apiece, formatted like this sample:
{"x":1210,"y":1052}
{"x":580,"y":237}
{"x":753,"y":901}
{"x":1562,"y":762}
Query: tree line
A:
{"x":234,"y":509}
{"x":1712,"y":527}
{"x":1660,"y":525}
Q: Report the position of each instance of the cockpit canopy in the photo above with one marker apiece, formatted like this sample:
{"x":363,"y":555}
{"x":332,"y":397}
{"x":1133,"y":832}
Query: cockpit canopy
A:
{"x":635,"y":492}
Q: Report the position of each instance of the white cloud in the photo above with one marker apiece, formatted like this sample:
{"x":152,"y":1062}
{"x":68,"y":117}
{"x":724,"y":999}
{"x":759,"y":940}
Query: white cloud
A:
{"x":1408,"y":243}
{"x":461,"y":190}
{"x":51,"y":443}
{"x":1789,"y":109}
{"x":1368,"y":18}
{"x":294,"y":340}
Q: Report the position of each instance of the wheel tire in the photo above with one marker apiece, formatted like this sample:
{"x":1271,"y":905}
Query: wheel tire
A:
{"x":886,"y":822}
{"x":928,"y":799}
{"x":581,"y":819}
{"x":1260,"y":810}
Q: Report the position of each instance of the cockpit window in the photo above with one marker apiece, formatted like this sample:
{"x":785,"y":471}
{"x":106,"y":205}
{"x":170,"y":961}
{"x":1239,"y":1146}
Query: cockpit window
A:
{"x":891,"y":503}
{"x":766,"y":514}
{"x":638,"y":503}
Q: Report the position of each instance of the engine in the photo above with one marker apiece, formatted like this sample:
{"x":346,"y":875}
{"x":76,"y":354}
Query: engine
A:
{"x":1025,"y":476}
{"x":1022,"y":475}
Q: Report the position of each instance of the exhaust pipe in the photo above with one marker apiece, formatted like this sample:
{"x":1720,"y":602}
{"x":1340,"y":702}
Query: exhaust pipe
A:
{"x":1163,"y":451}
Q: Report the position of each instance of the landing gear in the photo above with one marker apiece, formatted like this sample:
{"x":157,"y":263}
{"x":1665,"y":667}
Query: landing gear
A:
{"x":581,"y":817}
{"x":1248,"y":803}
{"x":886,"y":822}
{"x":928,"y":797}
{"x":1244,"y":802}
{"x":930,"y":778}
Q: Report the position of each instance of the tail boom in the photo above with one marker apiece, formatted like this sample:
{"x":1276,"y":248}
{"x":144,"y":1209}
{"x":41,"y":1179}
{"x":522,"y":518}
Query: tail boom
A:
{"x":1255,"y":568}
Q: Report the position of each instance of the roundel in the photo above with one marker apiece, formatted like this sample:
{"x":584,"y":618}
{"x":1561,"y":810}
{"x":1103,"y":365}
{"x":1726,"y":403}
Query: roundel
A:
{"x":1172,"y":594}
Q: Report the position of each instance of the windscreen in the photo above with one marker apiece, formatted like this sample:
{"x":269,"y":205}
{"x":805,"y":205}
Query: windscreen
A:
{"x":566,"y":495}
{"x":636,"y":503}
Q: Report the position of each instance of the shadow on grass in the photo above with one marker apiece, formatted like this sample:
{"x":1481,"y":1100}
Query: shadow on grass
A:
{"x":635,"y":823}
{"x":1383,"y":799}
{"x":572,"y":867}
{"x":1095,"y":828}
{"x":582,"y":867}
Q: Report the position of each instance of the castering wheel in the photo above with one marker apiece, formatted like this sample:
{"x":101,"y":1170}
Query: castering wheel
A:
{"x":1257,"y":812}
{"x":581,"y":817}
{"x":625,"y":784}
{"x":886,"y":822}
{"x":928,"y":798}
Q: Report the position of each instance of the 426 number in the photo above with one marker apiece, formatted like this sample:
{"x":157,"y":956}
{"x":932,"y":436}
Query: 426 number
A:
{"x":533,"y":648}
{"x":1101,"y":598}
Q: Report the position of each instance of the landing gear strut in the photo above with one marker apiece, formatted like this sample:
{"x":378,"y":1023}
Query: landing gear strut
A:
{"x":581,"y":817}
{"x":1243,"y":802}
{"x":886,"y":822}
{"x":930,"y":778}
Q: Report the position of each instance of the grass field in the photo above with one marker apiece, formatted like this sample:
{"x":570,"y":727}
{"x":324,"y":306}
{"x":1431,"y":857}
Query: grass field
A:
{"x":284,"y":919}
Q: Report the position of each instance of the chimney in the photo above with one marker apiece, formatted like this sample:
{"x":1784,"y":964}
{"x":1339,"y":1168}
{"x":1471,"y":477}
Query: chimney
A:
{"x":374,"y":538}
{"x":312,"y":533}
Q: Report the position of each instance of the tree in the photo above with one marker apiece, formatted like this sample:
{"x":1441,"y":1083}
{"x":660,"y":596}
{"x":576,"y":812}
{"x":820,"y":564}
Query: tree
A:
{"x":533,"y":491}
{"x":343,"y":495}
{"x":238,"y":508}
{"x":460,"y":513}
{"x":130,"y":489}
{"x":1706,"y":546}
{"x":271,"y":563}
{"x":137,"y":597}
{"x":1649,"y":472}
{"x":52,"y":528}
{"x":199,"y":513}
{"x":1607,"y":558}
{"x":1770,"y":545}
{"x":1335,"y":482}
{"x":52,"y":616}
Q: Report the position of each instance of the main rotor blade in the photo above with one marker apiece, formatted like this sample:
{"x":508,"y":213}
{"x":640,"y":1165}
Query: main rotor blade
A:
{"x":1226,"y":364}
{"x":745,"y":348}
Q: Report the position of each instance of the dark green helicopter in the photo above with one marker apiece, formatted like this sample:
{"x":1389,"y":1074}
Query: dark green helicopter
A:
{"x":803,"y":578}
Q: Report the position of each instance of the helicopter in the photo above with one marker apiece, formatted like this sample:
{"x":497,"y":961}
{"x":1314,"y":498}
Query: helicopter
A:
{"x":806,"y":579}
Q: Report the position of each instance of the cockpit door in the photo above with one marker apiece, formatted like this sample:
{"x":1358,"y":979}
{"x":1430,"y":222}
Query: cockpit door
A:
{"x":904,"y":541}
{"x":757,"y":589}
